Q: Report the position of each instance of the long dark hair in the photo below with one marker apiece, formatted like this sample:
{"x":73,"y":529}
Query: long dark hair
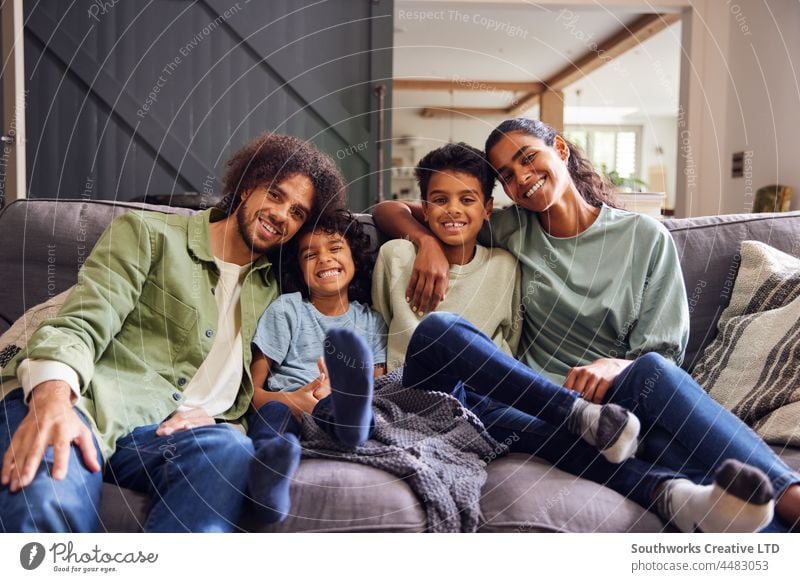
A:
{"x":344,"y":223}
{"x":594,"y":188}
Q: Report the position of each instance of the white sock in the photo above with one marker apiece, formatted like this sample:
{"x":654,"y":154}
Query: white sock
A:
{"x":609,"y":427}
{"x":740,"y":500}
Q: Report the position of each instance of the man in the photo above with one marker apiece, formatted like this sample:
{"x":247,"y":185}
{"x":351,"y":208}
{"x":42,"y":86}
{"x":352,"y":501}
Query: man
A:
{"x":150,"y":356}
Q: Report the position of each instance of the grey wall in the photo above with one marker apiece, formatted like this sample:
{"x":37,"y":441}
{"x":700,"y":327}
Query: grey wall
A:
{"x":134,"y":98}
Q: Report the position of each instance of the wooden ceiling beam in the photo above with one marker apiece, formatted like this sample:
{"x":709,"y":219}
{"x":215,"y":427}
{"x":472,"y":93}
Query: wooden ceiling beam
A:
{"x":624,"y":39}
{"x":430,"y":112}
{"x":523,"y":104}
{"x":466,"y":85}
{"x":621,"y":41}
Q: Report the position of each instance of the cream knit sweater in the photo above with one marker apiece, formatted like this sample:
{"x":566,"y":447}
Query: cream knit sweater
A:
{"x":485,"y":292}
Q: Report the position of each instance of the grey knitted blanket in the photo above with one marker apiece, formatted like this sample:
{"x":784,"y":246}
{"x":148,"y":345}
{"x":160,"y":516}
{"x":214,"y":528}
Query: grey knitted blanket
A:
{"x":429,"y":440}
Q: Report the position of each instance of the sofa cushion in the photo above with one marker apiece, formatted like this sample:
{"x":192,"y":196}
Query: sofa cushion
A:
{"x":752,"y":367}
{"x":525,"y":494}
{"x":709,"y":255}
{"x":522,"y":494}
{"x":327,"y":496}
{"x":331,"y":496}
{"x":789,"y":455}
{"x":122,"y":510}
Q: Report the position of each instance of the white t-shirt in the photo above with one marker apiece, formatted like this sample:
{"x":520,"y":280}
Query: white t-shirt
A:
{"x":216,"y":383}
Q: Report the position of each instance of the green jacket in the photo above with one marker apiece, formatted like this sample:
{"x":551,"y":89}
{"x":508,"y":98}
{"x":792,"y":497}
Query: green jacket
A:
{"x":142,"y":319}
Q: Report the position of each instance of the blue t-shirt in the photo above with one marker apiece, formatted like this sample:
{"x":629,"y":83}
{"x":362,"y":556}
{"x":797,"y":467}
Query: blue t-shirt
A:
{"x":291,"y":333}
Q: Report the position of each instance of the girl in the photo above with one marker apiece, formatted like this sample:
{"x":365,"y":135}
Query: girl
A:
{"x":325,"y":279}
{"x":606,"y":316}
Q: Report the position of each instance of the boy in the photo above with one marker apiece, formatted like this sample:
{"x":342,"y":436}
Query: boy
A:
{"x":455,"y":184}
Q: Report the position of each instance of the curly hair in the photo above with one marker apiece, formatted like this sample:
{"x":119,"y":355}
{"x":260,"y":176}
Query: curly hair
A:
{"x":457,"y":157}
{"x":344,"y":223}
{"x":594,"y":188}
{"x":271,"y":158}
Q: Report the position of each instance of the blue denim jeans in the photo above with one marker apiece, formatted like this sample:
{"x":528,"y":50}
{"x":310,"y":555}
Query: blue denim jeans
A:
{"x":685,"y":433}
{"x":687,"y":430}
{"x":272,"y":419}
{"x":196,"y":479}
{"x":634,"y":478}
{"x":446,"y":349}
{"x":448,"y":353}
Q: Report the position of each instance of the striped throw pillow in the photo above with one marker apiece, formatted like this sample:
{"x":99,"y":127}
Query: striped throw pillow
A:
{"x":753,"y":366}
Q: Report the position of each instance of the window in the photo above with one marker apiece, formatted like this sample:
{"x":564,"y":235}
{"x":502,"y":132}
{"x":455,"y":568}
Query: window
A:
{"x":609,"y":148}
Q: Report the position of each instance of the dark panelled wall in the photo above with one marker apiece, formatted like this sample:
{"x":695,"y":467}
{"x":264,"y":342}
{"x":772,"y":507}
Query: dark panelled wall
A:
{"x":133,"y":98}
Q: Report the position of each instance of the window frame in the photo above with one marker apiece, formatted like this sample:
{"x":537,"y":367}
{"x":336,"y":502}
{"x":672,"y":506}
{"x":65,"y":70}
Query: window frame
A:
{"x":616,"y":129}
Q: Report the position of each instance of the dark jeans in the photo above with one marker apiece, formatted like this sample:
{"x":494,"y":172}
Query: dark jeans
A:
{"x":633,"y":478}
{"x":196,"y":479}
{"x":271,"y":420}
{"x":446,"y":349}
{"x":685,"y":433}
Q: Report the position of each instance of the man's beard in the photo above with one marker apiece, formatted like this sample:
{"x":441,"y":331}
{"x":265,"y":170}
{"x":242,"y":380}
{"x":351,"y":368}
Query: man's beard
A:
{"x":246,"y":231}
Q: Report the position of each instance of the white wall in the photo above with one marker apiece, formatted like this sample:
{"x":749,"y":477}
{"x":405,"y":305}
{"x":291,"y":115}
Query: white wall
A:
{"x":763,"y":105}
{"x":701,"y":116}
{"x":740,"y":91}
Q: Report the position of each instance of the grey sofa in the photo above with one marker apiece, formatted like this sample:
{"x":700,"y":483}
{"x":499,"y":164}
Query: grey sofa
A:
{"x":42,"y":243}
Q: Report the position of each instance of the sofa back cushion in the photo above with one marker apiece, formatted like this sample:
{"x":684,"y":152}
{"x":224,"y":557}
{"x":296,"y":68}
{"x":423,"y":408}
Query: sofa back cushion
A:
{"x":709,"y":254}
{"x":44,"y":242}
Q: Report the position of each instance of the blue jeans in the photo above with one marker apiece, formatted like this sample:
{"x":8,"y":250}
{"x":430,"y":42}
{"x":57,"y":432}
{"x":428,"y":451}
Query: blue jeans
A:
{"x":446,"y":349}
{"x":685,"y":433}
{"x":448,"y":353}
{"x":634,"y":478}
{"x":196,"y":478}
{"x":687,"y":430}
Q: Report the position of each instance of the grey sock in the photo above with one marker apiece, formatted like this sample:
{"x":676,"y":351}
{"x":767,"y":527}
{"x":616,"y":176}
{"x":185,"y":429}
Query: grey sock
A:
{"x":609,"y":427}
{"x":740,"y":500}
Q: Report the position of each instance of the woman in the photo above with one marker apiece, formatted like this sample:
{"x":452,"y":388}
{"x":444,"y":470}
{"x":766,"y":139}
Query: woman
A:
{"x":606,"y":311}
